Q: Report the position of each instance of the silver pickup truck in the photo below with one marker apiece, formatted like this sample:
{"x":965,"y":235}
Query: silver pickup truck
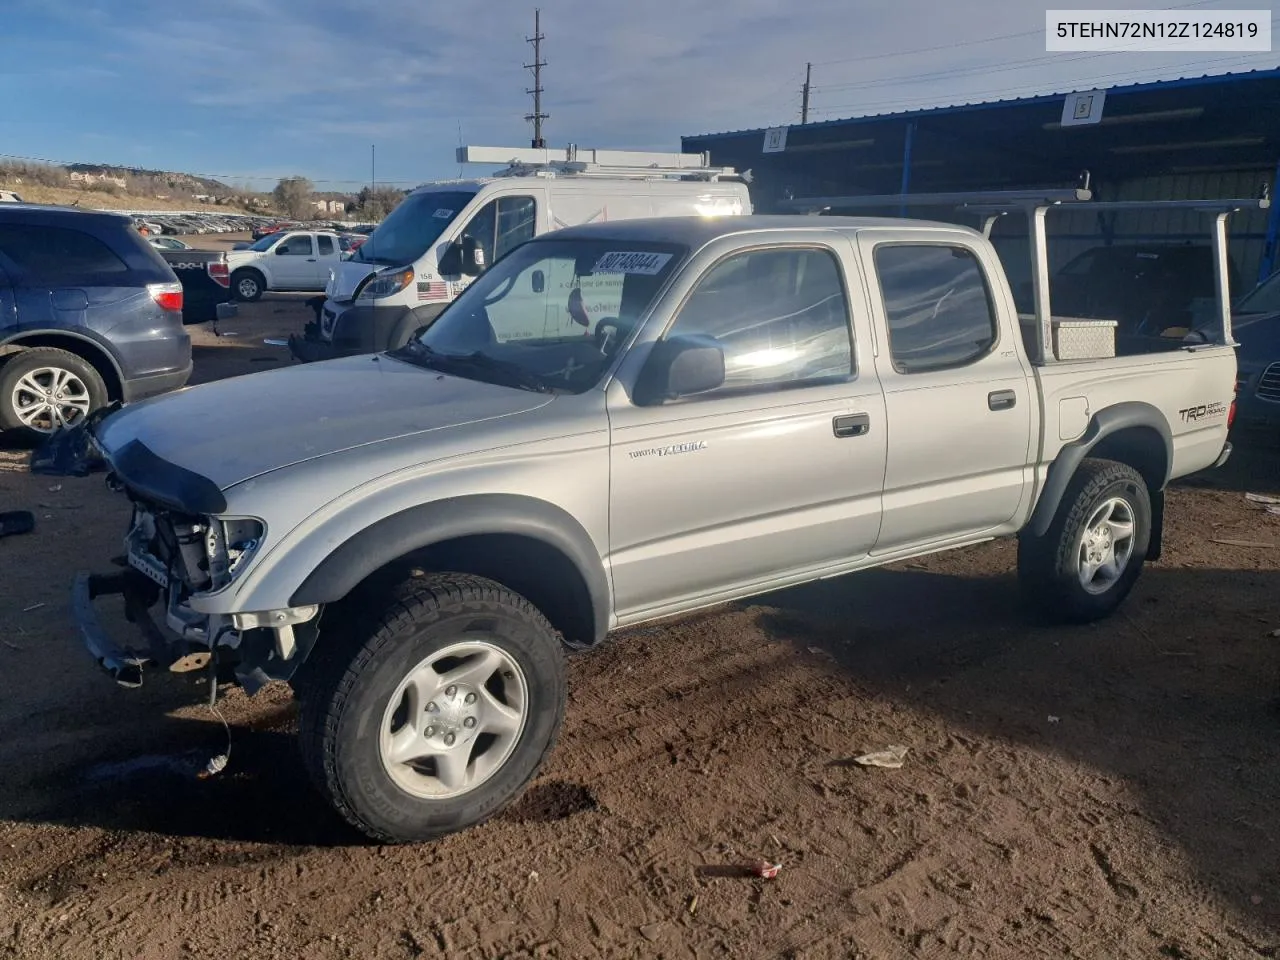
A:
{"x":619,"y":422}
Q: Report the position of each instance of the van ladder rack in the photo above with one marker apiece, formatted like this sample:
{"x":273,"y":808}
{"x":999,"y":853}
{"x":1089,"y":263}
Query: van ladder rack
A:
{"x":613,"y":164}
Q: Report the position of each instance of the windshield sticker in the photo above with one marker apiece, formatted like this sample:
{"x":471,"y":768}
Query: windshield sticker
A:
{"x":443,"y":214}
{"x":646,"y":264}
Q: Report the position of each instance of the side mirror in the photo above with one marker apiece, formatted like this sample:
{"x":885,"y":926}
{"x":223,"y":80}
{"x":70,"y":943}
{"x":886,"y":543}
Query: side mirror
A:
{"x":472,"y":256}
{"x":680,"y":367}
{"x":539,"y":281}
{"x":463,"y":256}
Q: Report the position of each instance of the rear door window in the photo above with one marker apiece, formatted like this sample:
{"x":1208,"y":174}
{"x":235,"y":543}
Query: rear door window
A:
{"x":60,"y":256}
{"x":326,"y":245}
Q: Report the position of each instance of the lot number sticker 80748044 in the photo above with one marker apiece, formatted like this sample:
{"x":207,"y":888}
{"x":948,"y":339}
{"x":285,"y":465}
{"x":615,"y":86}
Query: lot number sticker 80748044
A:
{"x":623,"y":261}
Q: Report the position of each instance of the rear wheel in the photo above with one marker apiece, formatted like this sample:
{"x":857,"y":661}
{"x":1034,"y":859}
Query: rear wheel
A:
{"x":248,"y":285}
{"x":1087,"y":562}
{"x":437,"y":714}
{"x":45,"y":389}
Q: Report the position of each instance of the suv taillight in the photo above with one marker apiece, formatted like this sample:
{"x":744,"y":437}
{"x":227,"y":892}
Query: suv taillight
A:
{"x":221,"y":274}
{"x":167,"y":295}
{"x":1231,"y":414}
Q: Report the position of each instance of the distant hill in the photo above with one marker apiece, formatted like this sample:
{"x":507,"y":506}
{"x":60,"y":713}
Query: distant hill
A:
{"x":175,"y":181}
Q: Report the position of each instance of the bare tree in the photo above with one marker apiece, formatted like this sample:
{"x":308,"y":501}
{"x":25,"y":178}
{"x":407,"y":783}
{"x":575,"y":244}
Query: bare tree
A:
{"x":293,"y":197}
{"x":376,"y":204}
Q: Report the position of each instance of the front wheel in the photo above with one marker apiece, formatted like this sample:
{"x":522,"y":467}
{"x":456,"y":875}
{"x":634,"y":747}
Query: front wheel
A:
{"x":1087,"y":562}
{"x":439,"y":714}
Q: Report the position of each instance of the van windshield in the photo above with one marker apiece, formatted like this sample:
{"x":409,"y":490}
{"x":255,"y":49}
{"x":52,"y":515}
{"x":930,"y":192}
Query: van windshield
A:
{"x":550,"y":316}
{"x":411,"y":228}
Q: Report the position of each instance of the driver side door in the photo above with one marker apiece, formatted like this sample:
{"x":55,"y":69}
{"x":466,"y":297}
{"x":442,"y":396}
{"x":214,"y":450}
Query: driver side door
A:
{"x":776,"y":473}
{"x":292,"y":261}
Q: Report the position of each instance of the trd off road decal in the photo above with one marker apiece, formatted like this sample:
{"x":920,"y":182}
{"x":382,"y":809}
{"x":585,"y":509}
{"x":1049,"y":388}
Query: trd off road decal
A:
{"x":1205,"y":411}
{"x":671,"y":450}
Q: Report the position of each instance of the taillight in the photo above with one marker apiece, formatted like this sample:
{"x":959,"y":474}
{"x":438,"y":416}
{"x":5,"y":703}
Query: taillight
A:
{"x":167,"y":295}
{"x":1231,"y":414}
{"x":221,"y":274}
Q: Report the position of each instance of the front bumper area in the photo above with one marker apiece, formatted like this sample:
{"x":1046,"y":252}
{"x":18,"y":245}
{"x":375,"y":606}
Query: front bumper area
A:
{"x":123,"y":664}
{"x":309,"y":348}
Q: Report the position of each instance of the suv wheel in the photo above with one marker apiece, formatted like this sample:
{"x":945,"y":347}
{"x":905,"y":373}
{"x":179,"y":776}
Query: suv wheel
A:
{"x":439,"y":715}
{"x":45,"y":389}
{"x":1088,"y":561}
{"x":248,"y":285}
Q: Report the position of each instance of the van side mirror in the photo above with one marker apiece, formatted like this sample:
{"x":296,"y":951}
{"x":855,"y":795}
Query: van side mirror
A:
{"x":679,"y":367}
{"x":463,"y":256}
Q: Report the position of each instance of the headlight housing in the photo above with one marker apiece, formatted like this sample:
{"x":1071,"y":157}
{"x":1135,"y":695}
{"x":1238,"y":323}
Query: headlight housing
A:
{"x":230,"y":544}
{"x":387,"y":283}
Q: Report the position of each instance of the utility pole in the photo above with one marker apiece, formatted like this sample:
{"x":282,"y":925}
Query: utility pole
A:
{"x":804,"y":94}
{"x":538,"y":63}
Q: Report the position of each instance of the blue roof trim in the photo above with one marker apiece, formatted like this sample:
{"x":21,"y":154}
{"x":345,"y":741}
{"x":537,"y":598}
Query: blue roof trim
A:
{"x":1172,"y":83}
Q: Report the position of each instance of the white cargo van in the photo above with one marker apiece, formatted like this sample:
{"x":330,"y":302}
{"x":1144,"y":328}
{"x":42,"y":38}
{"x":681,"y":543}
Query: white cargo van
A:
{"x":445,"y":233}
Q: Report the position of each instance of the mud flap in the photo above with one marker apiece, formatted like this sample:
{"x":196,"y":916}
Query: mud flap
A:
{"x":1156,"y":543}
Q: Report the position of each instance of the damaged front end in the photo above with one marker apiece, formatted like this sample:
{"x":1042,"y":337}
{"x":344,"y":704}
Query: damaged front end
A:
{"x":175,"y":551}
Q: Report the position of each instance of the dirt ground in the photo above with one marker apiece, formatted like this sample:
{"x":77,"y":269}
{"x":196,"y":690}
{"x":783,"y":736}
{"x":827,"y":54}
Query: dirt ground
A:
{"x":1099,"y":792}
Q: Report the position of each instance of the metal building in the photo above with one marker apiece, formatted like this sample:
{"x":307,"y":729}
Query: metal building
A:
{"x":1189,"y":138}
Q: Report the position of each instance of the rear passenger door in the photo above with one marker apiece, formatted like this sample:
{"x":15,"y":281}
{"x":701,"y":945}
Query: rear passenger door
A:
{"x":767,"y":475}
{"x":328,"y":253}
{"x":956,"y":390}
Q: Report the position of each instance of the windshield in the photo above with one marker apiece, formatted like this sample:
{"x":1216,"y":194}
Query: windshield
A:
{"x":267,"y":242}
{"x":550,"y":316}
{"x":411,"y":228}
{"x":1264,"y":298}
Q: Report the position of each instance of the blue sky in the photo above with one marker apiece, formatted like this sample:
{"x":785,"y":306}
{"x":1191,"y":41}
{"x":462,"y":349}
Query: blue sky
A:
{"x":252,"y":90}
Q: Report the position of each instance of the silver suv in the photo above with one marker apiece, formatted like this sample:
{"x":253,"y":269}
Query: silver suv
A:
{"x":615,"y":423}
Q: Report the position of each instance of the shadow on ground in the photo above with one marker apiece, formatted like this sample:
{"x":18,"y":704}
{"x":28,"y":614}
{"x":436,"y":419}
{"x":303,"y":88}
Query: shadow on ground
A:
{"x":1190,"y":718}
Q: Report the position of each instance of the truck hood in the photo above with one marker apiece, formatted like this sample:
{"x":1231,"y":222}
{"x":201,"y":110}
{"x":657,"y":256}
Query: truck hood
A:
{"x":347,"y":275}
{"x":233,"y":430}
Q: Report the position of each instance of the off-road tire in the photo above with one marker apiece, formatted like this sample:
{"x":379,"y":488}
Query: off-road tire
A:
{"x":18,"y":365}
{"x":243,"y":274}
{"x":353,"y":671}
{"x":1048,"y":566}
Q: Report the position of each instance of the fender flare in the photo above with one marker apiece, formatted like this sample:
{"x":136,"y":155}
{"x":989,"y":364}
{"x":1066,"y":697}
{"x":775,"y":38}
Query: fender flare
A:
{"x":16,"y":338}
{"x":1104,"y":423}
{"x":422,"y":526}
{"x":410,"y":322}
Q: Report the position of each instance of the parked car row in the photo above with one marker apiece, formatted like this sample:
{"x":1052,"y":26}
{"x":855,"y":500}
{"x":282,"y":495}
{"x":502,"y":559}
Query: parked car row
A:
{"x":179,"y":224}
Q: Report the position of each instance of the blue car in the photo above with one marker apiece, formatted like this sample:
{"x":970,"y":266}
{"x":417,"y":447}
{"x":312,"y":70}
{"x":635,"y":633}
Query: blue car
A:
{"x":1255,"y":320}
{"x":90,"y":313}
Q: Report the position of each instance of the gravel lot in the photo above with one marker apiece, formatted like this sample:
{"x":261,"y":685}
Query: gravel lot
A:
{"x":1099,"y":792}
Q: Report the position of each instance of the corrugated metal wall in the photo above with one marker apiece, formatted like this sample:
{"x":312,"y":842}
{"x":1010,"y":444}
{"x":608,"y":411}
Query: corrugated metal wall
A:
{"x":1073,"y":232}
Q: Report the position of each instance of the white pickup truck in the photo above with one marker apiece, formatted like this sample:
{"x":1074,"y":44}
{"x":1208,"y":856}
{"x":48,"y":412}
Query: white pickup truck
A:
{"x":287,"y":260}
{"x":759,"y":402}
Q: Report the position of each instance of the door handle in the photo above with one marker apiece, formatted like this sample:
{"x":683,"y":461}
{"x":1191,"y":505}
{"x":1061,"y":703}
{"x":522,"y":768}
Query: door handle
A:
{"x":851,"y":425}
{"x":311,"y":260}
{"x":1001,"y":400}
